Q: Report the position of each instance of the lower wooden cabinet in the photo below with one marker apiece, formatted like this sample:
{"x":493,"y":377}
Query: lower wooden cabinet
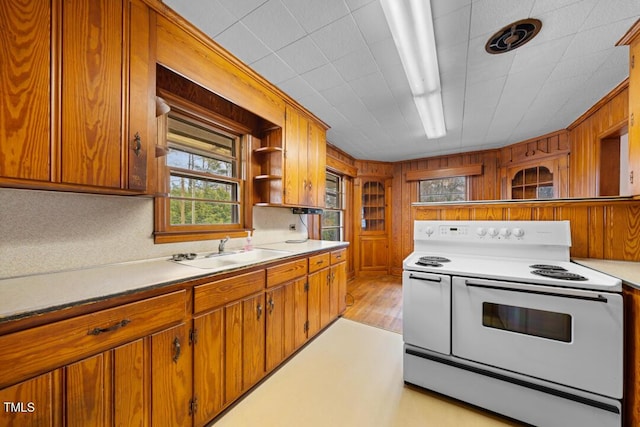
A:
{"x":149,"y":363}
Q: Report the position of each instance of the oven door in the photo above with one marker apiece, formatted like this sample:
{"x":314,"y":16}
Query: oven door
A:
{"x":426,"y":310}
{"x":568,"y":336}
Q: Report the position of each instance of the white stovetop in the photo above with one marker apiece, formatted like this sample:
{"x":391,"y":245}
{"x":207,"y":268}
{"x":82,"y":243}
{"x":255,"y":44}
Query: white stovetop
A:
{"x":514,"y":269}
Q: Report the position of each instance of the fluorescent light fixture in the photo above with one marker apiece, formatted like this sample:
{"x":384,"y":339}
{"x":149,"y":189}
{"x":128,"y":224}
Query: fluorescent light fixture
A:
{"x":411,"y":25}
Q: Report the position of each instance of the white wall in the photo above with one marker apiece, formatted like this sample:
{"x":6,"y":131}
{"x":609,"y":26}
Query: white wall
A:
{"x":43,"y":231}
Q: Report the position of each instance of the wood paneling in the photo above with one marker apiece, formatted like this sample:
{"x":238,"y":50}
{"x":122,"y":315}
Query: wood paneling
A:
{"x":631,"y":403}
{"x":194,"y":55}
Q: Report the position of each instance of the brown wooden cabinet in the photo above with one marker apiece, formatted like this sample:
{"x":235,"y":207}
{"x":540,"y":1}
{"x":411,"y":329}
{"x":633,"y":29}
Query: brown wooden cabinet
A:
{"x":304,"y":160}
{"x":372,"y":195}
{"x":121,"y":366}
{"x":631,"y":400}
{"x":85,"y":104}
{"x":538,"y":180}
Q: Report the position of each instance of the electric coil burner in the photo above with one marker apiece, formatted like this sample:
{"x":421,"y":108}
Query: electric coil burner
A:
{"x":432,"y":261}
{"x":559,"y":274}
{"x":496,"y":314}
{"x":547,"y":267}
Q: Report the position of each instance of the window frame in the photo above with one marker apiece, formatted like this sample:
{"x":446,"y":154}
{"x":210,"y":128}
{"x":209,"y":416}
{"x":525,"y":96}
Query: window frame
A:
{"x":466,"y":188}
{"x":164,"y":231}
{"x":340,"y":209}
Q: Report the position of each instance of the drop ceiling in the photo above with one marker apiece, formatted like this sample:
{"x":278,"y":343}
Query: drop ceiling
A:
{"x":338,"y":59}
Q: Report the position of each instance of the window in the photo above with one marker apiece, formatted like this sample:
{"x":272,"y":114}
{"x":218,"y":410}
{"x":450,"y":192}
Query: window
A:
{"x":443,"y":189}
{"x":204,"y":188}
{"x":332,"y":225}
{"x":203,"y":178}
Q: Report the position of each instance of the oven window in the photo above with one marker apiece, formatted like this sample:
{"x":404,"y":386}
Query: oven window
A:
{"x":539,"y":323}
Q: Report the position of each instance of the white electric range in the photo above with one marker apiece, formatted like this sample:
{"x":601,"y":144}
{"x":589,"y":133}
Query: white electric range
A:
{"x":496,"y":314}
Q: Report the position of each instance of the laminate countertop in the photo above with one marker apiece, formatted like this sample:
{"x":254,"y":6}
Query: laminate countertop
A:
{"x":627,"y":271}
{"x":26,"y":296}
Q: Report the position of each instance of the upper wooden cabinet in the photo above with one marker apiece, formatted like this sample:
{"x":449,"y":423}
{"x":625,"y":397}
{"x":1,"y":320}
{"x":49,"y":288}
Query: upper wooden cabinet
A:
{"x":632,"y":39}
{"x":304,"y":160}
{"x":80,"y":108}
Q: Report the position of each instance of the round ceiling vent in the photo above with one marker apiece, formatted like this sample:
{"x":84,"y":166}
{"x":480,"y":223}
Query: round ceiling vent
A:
{"x":513,"y":36}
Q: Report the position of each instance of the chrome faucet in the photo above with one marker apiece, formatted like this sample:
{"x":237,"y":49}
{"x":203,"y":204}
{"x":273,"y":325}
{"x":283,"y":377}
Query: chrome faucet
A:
{"x":222,"y":243}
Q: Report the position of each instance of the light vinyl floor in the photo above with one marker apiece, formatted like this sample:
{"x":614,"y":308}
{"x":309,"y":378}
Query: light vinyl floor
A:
{"x":349,"y":376}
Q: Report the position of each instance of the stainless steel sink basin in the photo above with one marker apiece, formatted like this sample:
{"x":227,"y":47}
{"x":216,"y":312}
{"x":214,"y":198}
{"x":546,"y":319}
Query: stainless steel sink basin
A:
{"x":233,"y":259}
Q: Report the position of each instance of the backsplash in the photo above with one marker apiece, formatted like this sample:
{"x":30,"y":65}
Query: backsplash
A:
{"x":46,"y":231}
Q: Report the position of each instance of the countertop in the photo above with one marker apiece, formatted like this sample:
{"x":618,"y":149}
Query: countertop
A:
{"x":627,"y":271}
{"x":26,"y":296}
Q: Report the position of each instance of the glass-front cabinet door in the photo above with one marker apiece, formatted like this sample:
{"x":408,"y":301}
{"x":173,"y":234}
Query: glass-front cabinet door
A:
{"x":373,"y":211}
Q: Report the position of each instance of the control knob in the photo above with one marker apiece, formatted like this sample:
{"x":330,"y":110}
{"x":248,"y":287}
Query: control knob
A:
{"x":481,"y":231}
{"x":429,"y":231}
{"x":493,"y":232}
{"x":505,"y":232}
{"x":518,"y":232}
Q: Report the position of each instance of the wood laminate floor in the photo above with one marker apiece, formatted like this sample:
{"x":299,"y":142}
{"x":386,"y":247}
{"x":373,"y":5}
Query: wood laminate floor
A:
{"x":376,"y":301}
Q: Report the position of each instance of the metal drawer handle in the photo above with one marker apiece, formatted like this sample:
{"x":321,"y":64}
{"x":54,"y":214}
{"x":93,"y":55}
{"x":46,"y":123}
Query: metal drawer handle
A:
{"x":319,"y":262}
{"x":120,"y":324}
{"x":177,"y":349}
{"x":427,"y":279}
{"x":259,"y":309}
{"x":598,"y":298}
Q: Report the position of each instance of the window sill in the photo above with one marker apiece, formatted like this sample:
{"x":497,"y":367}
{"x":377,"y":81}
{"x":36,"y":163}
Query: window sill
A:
{"x":192,"y":236}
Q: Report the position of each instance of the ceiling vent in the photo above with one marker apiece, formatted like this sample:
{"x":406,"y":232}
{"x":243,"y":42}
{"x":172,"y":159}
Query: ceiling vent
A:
{"x":513,"y":36}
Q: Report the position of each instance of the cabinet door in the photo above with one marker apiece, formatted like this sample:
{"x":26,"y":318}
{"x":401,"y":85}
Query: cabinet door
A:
{"x":88,"y":385}
{"x":275,"y":327}
{"x":91,"y":92}
{"x":325,"y":298}
{"x":316,"y":166}
{"x":131,"y":385}
{"x":25,"y":131}
{"x":314,"y":303}
{"x":171,"y":377}
{"x":373,"y":253}
{"x":301,"y":297}
{"x":253,"y":340}
{"x":208,"y":366}
{"x":338,"y":290}
{"x":295,"y":159}
{"x":33,"y":402}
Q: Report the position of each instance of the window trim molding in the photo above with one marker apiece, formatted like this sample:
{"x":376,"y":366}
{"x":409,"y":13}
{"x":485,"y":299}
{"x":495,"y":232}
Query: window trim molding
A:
{"x":166,"y":233}
{"x":426,"y":174}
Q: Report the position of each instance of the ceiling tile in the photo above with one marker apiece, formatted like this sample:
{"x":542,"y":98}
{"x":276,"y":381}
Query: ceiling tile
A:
{"x":357,"y":4}
{"x":303,"y":55}
{"x":339,"y":94}
{"x":442,"y":8}
{"x":273,"y":68}
{"x":355,"y":65}
{"x":210,"y":17}
{"x":339,"y":38}
{"x":372,"y":22}
{"x":316,"y":14}
{"x":240,"y":8}
{"x":491,"y":15}
{"x":296,"y":87}
{"x":274,"y":25}
{"x":324,"y":77}
{"x":243,"y":43}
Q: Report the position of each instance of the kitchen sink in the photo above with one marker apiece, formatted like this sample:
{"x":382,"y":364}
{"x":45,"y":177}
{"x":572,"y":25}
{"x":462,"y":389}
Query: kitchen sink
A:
{"x":233,"y":259}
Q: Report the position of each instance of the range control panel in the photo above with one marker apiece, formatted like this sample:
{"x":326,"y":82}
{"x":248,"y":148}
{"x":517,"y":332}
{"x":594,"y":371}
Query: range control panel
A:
{"x":556,"y":233}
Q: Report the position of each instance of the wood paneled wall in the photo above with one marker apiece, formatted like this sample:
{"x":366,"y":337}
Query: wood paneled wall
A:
{"x":606,"y":117}
{"x":481,"y":187}
{"x":605,"y":229}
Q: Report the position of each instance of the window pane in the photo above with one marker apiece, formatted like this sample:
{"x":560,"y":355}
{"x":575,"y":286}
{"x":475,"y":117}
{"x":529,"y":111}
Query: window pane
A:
{"x":332,"y":234}
{"x":182,"y":159}
{"x":443,"y":189}
{"x":182,"y":186}
{"x":331,"y":219}
{"x":200,"y":137}
{"x":197,"y":212}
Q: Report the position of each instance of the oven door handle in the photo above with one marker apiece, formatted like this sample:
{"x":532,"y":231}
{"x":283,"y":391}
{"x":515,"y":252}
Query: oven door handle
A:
{"x":580,"y":296}
{"x":427,"y":279}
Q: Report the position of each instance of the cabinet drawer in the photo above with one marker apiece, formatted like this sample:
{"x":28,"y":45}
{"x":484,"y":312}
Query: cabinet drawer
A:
{"x":338,"y":256}
{"x":221,"y":292}
{"x":33,"y":351}
{"x":318,"y":262}
{"x":286,"y":272}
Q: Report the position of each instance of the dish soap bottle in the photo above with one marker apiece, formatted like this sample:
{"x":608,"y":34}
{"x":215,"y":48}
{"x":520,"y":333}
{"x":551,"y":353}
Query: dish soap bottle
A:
{"x":248,"y":246}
